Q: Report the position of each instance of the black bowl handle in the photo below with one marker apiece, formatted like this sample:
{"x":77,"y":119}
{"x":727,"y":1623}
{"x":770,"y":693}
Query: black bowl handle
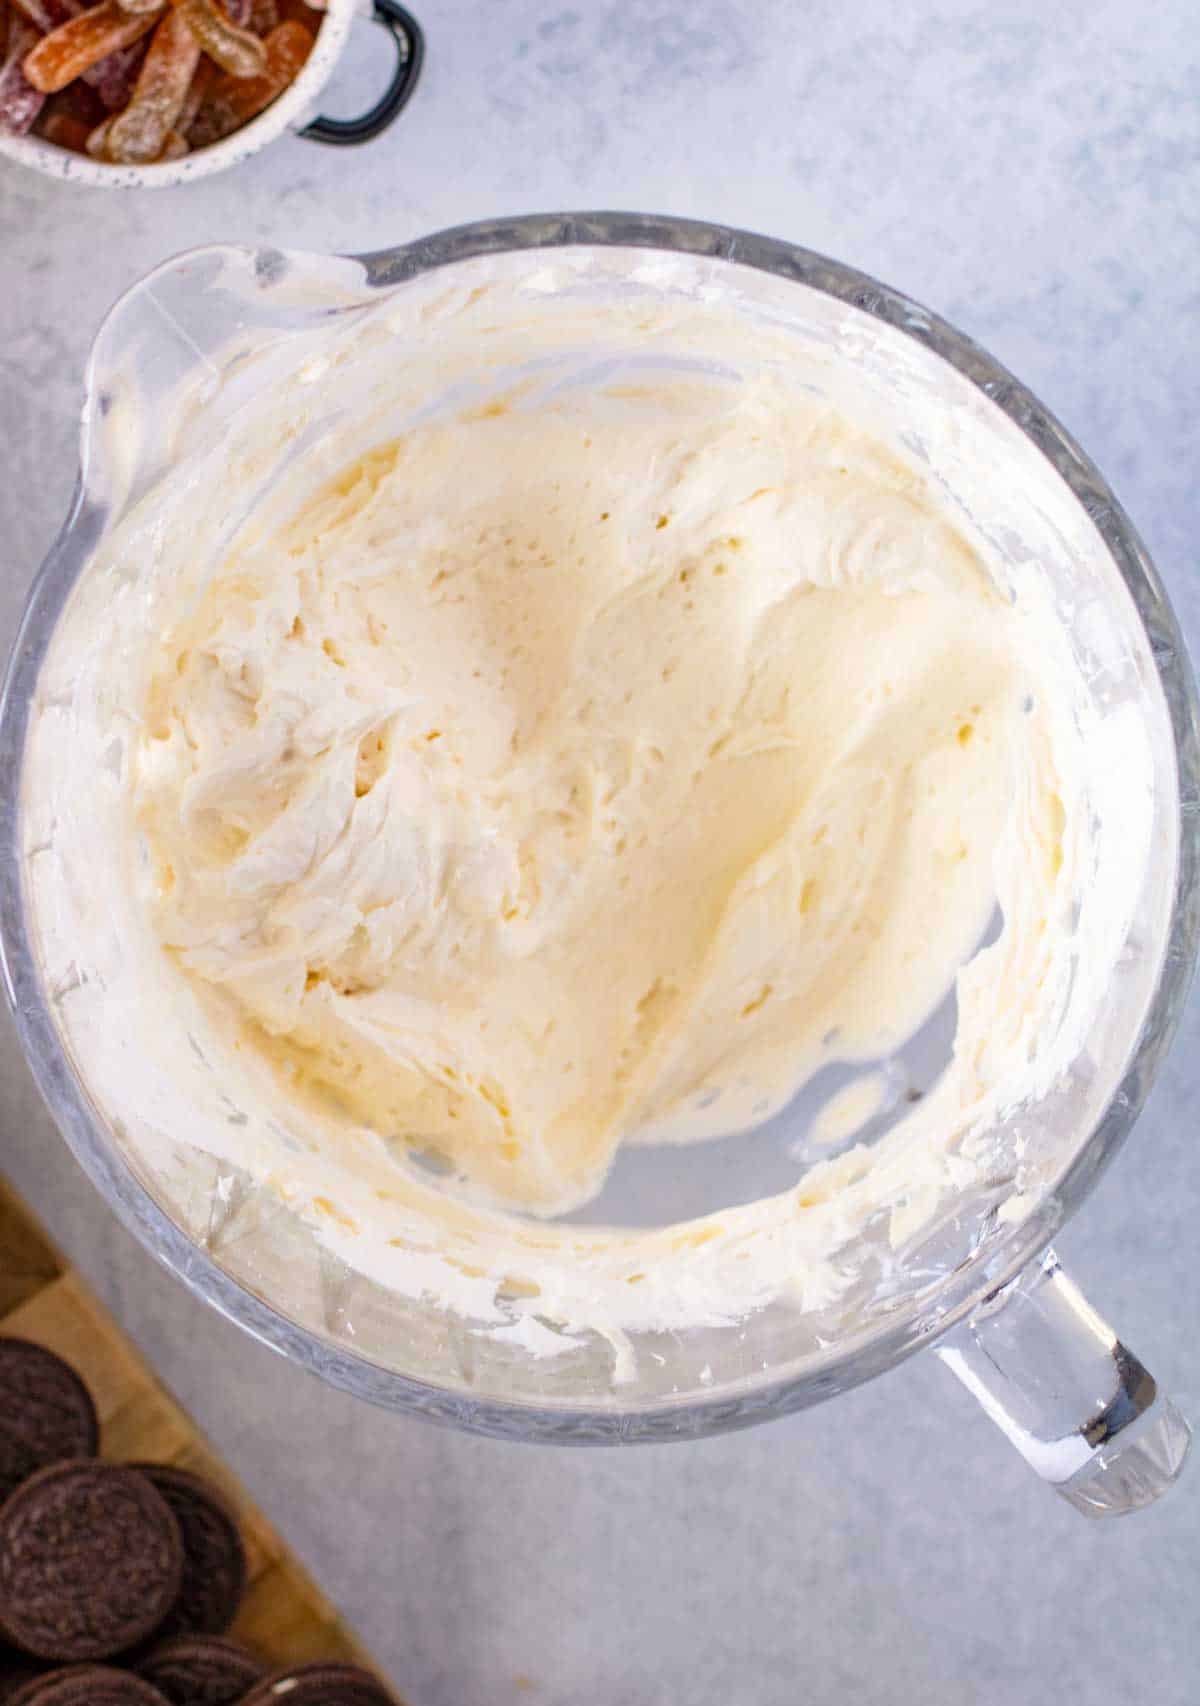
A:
{"x":410,"y":55}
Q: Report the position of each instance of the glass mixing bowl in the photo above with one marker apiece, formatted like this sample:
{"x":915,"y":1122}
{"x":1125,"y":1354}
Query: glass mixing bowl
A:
{"x":172,"y":364}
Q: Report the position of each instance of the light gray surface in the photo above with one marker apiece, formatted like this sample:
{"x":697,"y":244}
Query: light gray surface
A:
{"x":1033,"y":172}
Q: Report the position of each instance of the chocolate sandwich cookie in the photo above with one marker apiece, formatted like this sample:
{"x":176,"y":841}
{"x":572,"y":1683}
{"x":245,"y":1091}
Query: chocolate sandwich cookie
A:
{"x":16,"y":1669}
{"x":91,"y":1560}
{"x":214,"y":1558}
{"x":46,"y":1413}
{"x":320,"y":1685}
{"x":88,"y":1685}
{"x":201,"y":1670}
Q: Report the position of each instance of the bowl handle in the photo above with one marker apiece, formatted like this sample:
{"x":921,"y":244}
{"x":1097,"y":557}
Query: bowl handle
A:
{"x":1078,"y":1406}
{"x":410,"y":56}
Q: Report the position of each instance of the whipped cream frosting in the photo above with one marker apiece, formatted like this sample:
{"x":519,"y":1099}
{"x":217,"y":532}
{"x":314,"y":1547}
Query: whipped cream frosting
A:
{"x":584,"y":771}
{"x":586,"y":760}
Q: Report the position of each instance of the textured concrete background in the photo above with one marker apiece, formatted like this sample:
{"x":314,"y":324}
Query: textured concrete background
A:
{"x":1033,"y":172}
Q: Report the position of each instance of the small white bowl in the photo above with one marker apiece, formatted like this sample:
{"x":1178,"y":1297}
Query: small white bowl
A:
{"x":292,"y":111}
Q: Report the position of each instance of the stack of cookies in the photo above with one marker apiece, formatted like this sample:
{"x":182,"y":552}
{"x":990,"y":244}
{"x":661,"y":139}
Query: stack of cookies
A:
{"x":118,"y":1581}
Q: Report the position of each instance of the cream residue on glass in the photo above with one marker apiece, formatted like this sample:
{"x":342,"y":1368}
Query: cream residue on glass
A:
{"x":571,"y":765}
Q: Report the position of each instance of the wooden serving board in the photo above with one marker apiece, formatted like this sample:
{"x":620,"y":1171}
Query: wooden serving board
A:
{"x":284,"y":1616}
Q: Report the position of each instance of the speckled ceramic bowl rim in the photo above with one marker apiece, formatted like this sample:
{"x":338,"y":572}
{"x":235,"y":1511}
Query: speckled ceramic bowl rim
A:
{"x":292,"y":109}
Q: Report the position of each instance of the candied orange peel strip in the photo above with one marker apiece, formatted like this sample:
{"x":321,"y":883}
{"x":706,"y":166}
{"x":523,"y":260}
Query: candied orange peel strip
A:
{"x":65,"y":131}
{"x":97,"y":142}
{"x":202,"y":80}
{"x":238,"y":52}
{"x":232,"y":102}
{"x":82,"y":42}
{"x":113,"y":78}
{"x":20,"y":100}
{"x":264,"y":17}
{"x":46,"y":15}
{"x":139,"y":134}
